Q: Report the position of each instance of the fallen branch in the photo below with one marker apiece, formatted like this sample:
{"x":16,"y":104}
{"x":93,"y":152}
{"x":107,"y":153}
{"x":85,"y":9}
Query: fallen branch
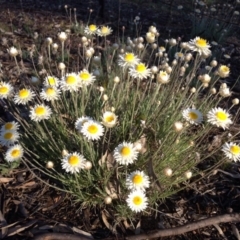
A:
{"x":233,"y":217}
{"x":60,"y":236}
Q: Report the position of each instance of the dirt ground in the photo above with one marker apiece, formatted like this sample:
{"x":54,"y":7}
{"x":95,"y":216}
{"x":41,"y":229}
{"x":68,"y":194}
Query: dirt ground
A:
{"x":30,"y":208}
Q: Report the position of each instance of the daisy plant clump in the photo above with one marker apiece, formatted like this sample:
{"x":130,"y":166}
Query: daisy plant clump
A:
{"x":127,"y":126}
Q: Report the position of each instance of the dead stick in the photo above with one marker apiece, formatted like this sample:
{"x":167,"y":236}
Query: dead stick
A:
{"x":233,"y":217}
{"x":60,"y":236}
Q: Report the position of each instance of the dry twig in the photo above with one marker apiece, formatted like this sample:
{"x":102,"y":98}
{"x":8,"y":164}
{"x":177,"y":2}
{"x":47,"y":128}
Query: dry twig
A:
{"x":233,"y":217}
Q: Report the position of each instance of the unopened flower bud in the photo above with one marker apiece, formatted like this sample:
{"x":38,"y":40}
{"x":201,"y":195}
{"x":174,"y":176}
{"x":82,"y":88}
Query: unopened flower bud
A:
{"x":173,"y":42}
{"x":115,"y":46}
{"x":64,"y":152}
{"x":140,"y":46}
{"x":49,"y":41}
{"x":62,"y":36}
{"x":96,"y":59}
{"x":84,"y":39}
{"x":116,"y":79}
{"x":141,"y":39}
{"x":213,"y":91}
{"x":105,"y":97}
{"x":188,"y":57}
{"x":178,"y":126}
{"x":101,"y":89}
{"x":168,"y":69}
{"x":88,"y":54}
{"x":13,"y":52}
{"x":154,"y":69}
{"x":205,"y":85}
{"x":108,"y":200}
{"x":61,"y":66}
{"x":49,"y":164}
{"x":88,"y":165}
{"x":205,"y":78}
{"x":154,"y":46}
{"x":193,"y":90}
{"x":55,"y":46}
{"x":235,"y":101}
{"x":188,"y":174}
{"x":174,"y":62}
{"x":213,"y":63}
{"x":168,"y":172}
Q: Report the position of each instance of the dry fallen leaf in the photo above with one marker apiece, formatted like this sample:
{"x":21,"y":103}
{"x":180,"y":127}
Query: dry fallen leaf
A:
{"x":107,"y":224}
{"x":107,"y":159}
{"x":5,"y":180}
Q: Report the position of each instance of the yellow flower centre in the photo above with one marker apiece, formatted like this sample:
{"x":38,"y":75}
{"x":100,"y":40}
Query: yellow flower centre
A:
{"x":15,"y":153}
{"x":92,"y":28}
{"x":73,"y":160}
{"x":8,"y":126}
{"x":71,"y":80}
{"x":24,"y":93}
{"x":85,"y":76}
{"x":129,"y":57}
{"x":3,"y":90}
{"x":50,"y":91}
{"x":125,"y":151}
{"x":137,"y":200}
{"x":163,"y":74}
{"x":40,"y":111}
{"x":51,"y":81}
{"x":137,"y":179}
{"x":109,"y":118}
{"x":222,"y":116}
{"x":201,"y":42}
{"x":235,"y":149}
{"x":92,"y":129}
{"x":224,"y":69}
{"x":104,"y":30}
{"x":141,"y":67}
{"x":8,"y":135}
{"x":193,"y":116}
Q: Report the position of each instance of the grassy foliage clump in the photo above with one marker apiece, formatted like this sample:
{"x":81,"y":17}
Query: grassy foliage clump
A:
{"x":126,"y":122}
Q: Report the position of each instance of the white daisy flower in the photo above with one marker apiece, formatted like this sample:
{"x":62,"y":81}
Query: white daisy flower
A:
{"x":70,"y":82}
{"x":91,"y":29}
{"x":51,"y":81}
{"x":219,"y":117}
{"x":179,"y":55}
{"x":125,"y":153}
{"x":128,"y":60}
{"x":140,"y":71}
{"x":14,"y":153}
{"x":163,"y":77}
{"x":10,"y":126}
{"x":92,"y":130}
{"x":81,"y":121}
{"x":137,"y":180}
{"x":40,"y":112}
{"x":137,"y":201}
{"x":24,"y":96}
{"x":223,"y":71}
{"x":6,"y":90}
{"x":200,"y":45}
{"x":73,"y":162}
{"x":109,"y":119}
{"x":86,"y":78}
{"x":9,"y":138}
{"x":50,"y":93}
{"x":192,"y":115}
{"x":232,"y":151}
{"x":104,"y":31}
